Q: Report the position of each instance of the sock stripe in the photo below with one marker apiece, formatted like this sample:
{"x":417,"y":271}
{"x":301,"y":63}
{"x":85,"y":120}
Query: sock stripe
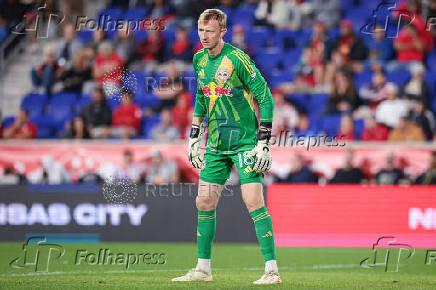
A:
{"x":261,"y":217}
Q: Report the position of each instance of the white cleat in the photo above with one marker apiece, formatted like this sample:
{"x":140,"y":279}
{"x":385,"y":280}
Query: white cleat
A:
{"x":194,"y":275}
{"x":269,"y":278}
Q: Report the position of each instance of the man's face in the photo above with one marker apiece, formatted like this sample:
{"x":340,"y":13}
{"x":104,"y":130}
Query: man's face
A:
{"x":210,"y":33}
{"x":97,"y":96}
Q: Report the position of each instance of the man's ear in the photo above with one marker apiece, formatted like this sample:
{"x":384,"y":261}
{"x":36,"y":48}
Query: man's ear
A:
{"x":223,"y":31}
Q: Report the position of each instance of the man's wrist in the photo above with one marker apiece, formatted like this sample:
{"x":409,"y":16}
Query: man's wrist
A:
{"x":195,"y":131}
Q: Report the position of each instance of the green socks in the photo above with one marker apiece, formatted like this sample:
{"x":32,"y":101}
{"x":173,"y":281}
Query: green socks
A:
{"x":205,"y":233}
{"x":264,"y":232}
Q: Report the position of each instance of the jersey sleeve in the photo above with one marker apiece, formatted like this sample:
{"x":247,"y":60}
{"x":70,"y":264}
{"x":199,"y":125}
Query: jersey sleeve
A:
{"x":200,"y":108}
{"x":252,"y":78}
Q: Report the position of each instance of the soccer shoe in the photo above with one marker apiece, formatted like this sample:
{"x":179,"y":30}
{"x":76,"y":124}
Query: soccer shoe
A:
{"x":194,"y":275}
{"x":269,"y":278}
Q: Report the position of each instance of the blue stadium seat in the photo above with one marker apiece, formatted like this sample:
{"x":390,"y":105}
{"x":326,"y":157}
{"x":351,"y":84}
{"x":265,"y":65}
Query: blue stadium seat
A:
{"x":147,"y":100}
{"x":34,"y":104}
{"x":286,"y":39}
{"x":135,"y":14}
{"x":140,"y":35}
{"x":112,"y":13}
{"x":360,"y":17}
{"x":7,"y":121}
{"x":149,"y":124}
{"x":430,"y":78}
{"x":330,"y":125}
{"x":85,"y":36}
{"x":276,"y":79}
{"x":82,"y":102}
{"x":258,"y":39}
{"x":47,"y":127}
{"x":317,"y":104}
{"x":267,"y":61}
{"x":431,"y":60}
{"x":362,"y":78}
{"x":359,"y":126}
{"x":301,"y":101}
{"x":291,"y":58}
{"x":113,"y":102}
{"x":243,"y":16}
{"x":399,"y":77}
{"x":61,"y":107}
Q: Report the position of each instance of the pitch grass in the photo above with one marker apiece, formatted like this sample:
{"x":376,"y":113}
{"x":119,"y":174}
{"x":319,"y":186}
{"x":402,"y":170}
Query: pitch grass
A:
{"x":235,"y":266}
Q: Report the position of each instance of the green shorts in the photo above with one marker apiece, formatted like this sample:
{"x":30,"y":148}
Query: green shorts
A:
{"x":218,"y":167}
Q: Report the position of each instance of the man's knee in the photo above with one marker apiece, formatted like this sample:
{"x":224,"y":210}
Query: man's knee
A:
{"x":205,"y":203}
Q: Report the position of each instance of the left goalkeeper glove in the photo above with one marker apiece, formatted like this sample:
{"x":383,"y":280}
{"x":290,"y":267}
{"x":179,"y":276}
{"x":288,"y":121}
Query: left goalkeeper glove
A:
{"x":262,"y":151}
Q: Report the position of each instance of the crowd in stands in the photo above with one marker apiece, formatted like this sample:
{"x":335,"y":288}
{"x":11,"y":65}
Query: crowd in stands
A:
{"x":326,"y":74}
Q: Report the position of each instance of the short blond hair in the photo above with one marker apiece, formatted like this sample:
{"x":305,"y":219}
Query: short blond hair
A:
{"x":210,"y":14}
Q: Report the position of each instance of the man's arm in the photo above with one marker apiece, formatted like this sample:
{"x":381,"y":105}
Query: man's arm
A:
{"x":252,"y":78}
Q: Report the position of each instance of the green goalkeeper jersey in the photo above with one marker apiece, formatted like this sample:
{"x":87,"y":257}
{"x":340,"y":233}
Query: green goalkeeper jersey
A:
{"x":227,"y":84}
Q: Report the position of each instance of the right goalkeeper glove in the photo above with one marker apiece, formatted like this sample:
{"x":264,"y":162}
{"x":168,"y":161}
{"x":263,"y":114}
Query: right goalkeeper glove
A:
{"x":194,"y":146}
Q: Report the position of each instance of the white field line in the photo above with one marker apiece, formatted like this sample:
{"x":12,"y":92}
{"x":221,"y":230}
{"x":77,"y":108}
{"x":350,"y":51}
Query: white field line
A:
{"x":314,"y":267}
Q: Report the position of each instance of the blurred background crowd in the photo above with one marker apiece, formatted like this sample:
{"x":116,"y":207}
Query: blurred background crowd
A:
{"x":333,"y":66}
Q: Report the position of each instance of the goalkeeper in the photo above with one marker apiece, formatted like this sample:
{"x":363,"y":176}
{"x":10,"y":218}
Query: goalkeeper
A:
{"x":227,"y":83}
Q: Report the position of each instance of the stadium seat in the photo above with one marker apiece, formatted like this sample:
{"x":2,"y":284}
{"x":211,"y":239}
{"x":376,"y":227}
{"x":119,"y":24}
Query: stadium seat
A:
{"x":286,"y":39}
{"x":290,"y":59}
{"x":140,"y":35}
{"x":360,"y":17}
{"x":47,"y":127}
{"x":362,"y":78}
{"x":85,"y":36}
{"x":267,"y":61}
{"x":113,"y":102}
{"x":330,"y":125}
{"x":399,"y":77}
{"x":317,"y":104}
{"x":112,"y":13}
{"x":147,"y":100}
{"x":258,"y":39}
{"x":149,"y":124}
{"x":61,"y":107}
{"x":278,"y":78}
{"x":301,"y":101}
{"x":82,"y":102}
{"x":7,"y":121}
{"x":243,"y":16}
{"x":359,"y":126}
{"x":34,"y":104}
{"x":135,"y":14}
{"x":431,"y":60}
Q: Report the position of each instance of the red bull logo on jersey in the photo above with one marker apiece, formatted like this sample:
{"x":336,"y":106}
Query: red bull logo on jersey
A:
{"x":213,"y":90}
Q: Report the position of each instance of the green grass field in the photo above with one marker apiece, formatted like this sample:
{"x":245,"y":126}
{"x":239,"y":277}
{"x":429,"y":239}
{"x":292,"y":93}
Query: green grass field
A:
{"x":235,"y":266}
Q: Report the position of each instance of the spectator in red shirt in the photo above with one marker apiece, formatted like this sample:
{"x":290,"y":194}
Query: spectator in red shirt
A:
{"x":182,"y":47}
{"x":409,"y":45}
{"x":347,"y":128}
{"x":108,"y":65}
{"x":22,"y":128}
{"x":182,"y":113}
{"x":150,"y":51}
{"x":374,"y":131}
{"x":126,"y":120}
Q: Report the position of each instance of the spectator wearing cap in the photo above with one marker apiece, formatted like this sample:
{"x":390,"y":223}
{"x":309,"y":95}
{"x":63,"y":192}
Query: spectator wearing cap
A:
{"x":406,"y":131}
{"x":165,"y":131}
{"x":21,"y":128}
{"x":392,"y":109}
{"x":161,"y":170}
{"x":428,"y":176}
{"x":417,"y":88}
{"x":126,"y":119}
{"x":348,"y":44}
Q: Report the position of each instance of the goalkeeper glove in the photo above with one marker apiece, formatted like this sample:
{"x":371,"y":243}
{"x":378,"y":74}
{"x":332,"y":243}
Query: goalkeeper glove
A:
{"x":194,"y":146}
{"x":262,"y":151}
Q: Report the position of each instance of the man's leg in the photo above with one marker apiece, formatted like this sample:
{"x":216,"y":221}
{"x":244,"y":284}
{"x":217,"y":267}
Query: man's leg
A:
{"x":252,"y":194}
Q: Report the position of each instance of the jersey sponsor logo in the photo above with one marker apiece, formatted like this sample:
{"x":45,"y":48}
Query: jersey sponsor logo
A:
{"x":224,"y":71}
{"x":267,"y":235}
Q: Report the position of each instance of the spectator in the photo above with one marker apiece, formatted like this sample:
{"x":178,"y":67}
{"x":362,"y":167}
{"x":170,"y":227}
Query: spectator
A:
{"x":424,"y":118}
{"x":50,"y":172}
{"x":181,"y":49}
{"x":68,"y":45}
{"x":348,"y":174}
{"x":428,"y":176}
{"x":98,"y":37}
{"x":108,"y":61}
{"x":390,"y":110}
{"x":326,"y":11}
{"x":417,"y":88}
{"x":22,"y":128}
{"x":389,"y":174}
{"x":46,"y":74}
{"x":239,"y":40}
{"x":299,"y":172}
{"x":124,"y":44}
{"x":95,"y":119}
{"x":128,"y":168}
{"x":181,"y":114}
{"x":374,"y":131}
{"x":10,"y":177}
{"x":170,"y":87}
{"x":79,"y":73}
{"x":406,"y":131}
{"x":346,"y":132}
{"x":375,"y":92}
{"x":162,"y":171}
{"x":348,"y":44}
{"x":165,"y":131}
{"x":410,"y":47}
{"x":274,"y":13}
{"x":150,"y":52}
{"x":126,"y":120}
{"x":344,"y":97}
{"x":285,"y":114}
{"x":380,"y":47}
{"x":315,"y":49}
